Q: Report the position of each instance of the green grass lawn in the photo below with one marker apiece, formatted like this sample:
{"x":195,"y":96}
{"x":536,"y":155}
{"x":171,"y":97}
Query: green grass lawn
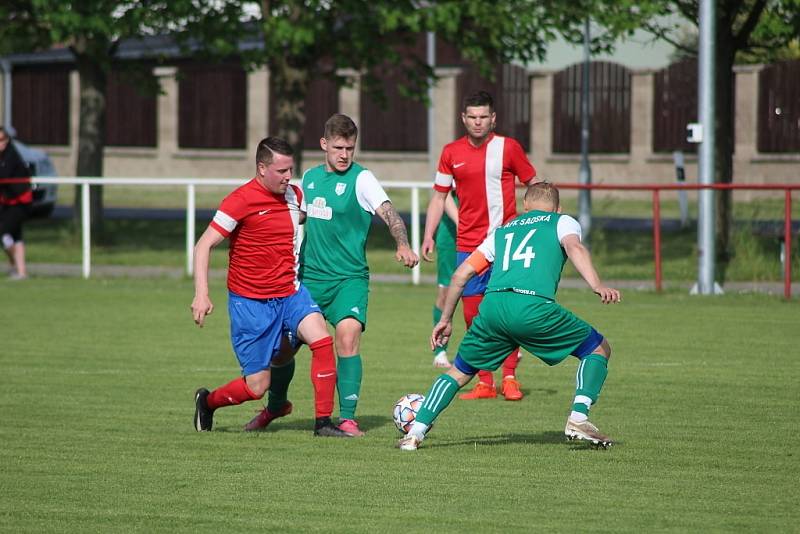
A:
{"x":98,"y":378}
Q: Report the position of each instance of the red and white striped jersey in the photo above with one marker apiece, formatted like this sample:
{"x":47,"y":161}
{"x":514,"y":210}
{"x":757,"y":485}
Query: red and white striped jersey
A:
{"x":484,"y":181}
{"x":262,"y":229}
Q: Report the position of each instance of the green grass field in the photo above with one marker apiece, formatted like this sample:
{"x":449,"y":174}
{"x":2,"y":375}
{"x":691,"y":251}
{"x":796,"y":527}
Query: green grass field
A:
{"x":97,"y":383}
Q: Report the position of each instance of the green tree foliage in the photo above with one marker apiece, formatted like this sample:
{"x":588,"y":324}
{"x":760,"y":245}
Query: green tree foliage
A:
{"x":92,"y":30}
{"x":306,"y":39}
{"x":746,"y":31}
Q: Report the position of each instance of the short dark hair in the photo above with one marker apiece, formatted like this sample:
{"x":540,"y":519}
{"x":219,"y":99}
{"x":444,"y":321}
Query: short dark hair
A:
{"x":268,"y":146}
{"x":339,"y":125}
{"x":481,"y":98}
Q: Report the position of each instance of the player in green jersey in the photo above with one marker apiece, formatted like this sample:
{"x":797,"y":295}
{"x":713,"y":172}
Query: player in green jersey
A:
{"x":445,"y":265}
{"x":519,"y":309}
{"x":340,"y":198}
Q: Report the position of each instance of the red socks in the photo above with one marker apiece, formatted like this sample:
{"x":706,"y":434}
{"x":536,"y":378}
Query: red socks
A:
{"x":510,"y":363}
{"x":232,"y":393}
{"x":323,"y":376}
{"x":470,"y":306}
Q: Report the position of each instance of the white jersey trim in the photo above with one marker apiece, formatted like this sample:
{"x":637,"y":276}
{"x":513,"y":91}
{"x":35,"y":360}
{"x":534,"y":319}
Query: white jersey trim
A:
{"x":487,"y":247}
{"x":369,"y":193}
{"x":303,"y":201}
{"x":567,"y":226}
{"x":225,"y":221}
{"x":494,"y":175}
{"x":443,"y":180}
{"x":294,"y":213}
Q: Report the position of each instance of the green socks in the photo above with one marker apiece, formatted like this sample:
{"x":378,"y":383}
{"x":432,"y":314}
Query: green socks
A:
{"x":349,"y":372}
{"x":437,"y":315}
{"x":279,"y":386}
{"x":440,"y":396}
{"x":591,"y":374}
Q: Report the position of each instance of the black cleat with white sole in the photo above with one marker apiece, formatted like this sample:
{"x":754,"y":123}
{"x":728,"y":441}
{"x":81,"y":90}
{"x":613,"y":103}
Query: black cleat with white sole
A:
{"x":203,"y":415}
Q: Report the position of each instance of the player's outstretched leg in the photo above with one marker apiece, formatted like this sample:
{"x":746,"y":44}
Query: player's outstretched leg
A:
{"x":439,"y":397}
{"x":590,"y":377}
{"x":234,"y":392}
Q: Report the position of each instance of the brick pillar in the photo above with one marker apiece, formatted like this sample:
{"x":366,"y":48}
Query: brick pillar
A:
{"x":257,"y":107}
{"x":641,"y":117}
{"x":350,"y":99}
{"x":167,"y":135}
{"x":541,"y":120}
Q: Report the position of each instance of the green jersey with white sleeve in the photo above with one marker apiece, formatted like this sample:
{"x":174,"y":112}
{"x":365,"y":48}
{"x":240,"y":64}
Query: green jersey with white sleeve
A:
{"x":527,"y":254}
{"x":339,"y":209}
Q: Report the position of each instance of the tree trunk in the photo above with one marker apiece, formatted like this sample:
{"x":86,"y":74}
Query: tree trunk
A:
{"x":91,"y":135}
{"x":290,"y":84}
{"x":724,"y":147}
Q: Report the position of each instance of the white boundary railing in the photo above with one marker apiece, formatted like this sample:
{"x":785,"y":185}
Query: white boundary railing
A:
{"x":191,"y":185}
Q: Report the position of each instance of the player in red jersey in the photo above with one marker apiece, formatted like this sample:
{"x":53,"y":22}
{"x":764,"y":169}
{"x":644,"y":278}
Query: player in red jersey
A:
{"x":482,"y":166}
{"x":268,"y":306}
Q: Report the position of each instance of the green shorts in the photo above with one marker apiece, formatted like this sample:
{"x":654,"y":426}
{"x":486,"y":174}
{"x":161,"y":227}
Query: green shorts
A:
{"x":445,"y":251}
{"x":340,"y":299}
{"x":508,"y":320}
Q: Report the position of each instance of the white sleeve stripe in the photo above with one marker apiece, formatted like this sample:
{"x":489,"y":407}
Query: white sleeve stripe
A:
{"x":567,"y":226}
{"x":444,"y":180}
{"x":369,"y":192}
{"x":487,"y":247}
{"x":225,"y":221}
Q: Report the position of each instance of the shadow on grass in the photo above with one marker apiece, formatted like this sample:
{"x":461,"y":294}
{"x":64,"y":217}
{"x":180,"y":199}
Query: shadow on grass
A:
{"x":548,"y":437}
{"x":366,"y":423}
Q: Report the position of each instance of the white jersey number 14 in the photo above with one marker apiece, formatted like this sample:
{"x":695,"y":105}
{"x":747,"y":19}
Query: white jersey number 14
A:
{"x":522,"y":253}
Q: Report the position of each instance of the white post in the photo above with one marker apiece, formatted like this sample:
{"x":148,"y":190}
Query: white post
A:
{"x":86,"y":229}
{"x":415,"y":272}
{"x":190,"y":229}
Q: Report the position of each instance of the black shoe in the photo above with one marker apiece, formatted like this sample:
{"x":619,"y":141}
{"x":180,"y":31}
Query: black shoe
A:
{"x":324,"y":427}
{"x":203,"y":415}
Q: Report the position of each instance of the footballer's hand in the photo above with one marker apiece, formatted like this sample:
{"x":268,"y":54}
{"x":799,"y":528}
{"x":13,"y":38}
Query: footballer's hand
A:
{"x":608,"y":295}
{"x":406,"y":256}
{"x":201,"y":306}
{"x":441,"y":334}
{"x":428,"y":246}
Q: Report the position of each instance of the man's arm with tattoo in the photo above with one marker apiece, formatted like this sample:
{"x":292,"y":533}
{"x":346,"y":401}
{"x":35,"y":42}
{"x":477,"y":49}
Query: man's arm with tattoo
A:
{"x":397,"y":229}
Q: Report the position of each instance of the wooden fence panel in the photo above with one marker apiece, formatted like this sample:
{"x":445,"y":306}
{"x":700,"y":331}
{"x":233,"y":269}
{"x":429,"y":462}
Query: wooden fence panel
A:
{"x":779,"y":108}
{"x":609,"y":108}
{"x":212,"y":106}
{"x":322,"y":101}
{"x":400,"y":125}
{"x":40,"y":104}
{"x":131,"y":107}
{"x":674,"y":106}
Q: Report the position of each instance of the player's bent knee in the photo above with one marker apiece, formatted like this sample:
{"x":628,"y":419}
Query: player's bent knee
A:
{"x":258,"y":383}
{"x":604,"y":349}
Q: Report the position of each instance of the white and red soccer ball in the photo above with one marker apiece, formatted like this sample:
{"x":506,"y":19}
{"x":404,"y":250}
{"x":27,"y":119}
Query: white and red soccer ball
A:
{"x":405,"y":411}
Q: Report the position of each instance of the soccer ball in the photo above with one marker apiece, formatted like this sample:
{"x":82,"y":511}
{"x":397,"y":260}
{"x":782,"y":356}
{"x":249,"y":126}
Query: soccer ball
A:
{"x":405,"y":411}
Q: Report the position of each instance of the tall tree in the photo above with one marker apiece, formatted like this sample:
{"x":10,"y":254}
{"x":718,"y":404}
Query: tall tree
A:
{"x":307,"y":39}
{"x":745,"y":29}
{"x":92,"y":30}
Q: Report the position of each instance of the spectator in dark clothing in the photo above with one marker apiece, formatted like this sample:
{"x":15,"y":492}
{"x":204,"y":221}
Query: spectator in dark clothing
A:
{"x":16,"y":198}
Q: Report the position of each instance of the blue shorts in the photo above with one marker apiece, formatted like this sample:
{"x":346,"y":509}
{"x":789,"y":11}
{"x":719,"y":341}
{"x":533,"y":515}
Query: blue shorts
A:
{"x":257,"y":326}
{"x":477,"y":284}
